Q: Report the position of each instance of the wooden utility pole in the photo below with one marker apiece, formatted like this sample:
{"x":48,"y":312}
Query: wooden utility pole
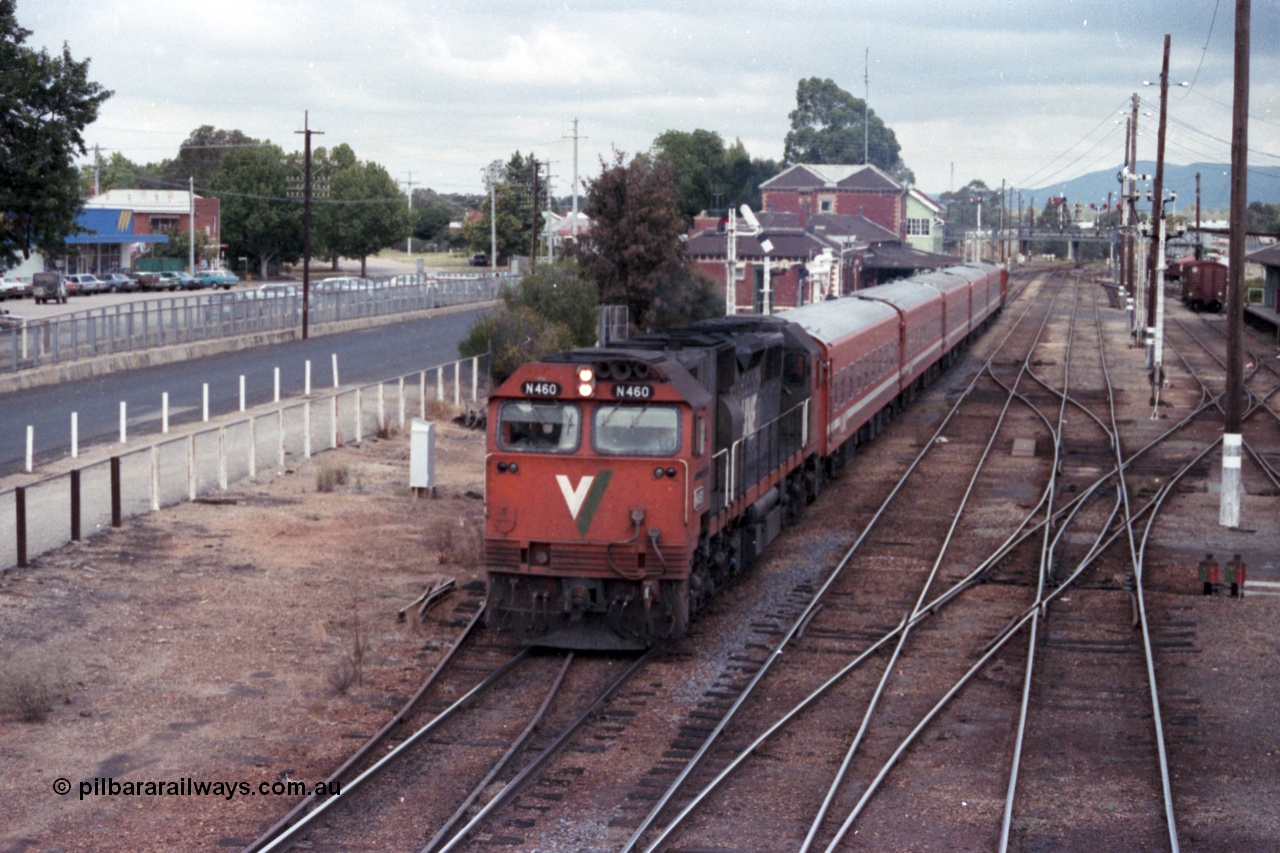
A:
{"x":1232,"y":441}
{"x":1199,"y":250}
{"x":1155,"y":265}
{"x":306,"y":220}
{"x":533,"y":206}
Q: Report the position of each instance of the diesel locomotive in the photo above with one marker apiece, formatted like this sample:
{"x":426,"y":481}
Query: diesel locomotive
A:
{"x":625,"y":485}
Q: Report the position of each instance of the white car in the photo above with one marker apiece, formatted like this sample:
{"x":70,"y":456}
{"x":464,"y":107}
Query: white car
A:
{"x":12,"y":288}
{"x":86,"y":283}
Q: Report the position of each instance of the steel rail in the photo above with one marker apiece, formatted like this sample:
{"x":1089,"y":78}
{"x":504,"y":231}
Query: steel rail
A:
{"x":890,"y":668}
{"x":662,"y":802}
{"x":289,"y":836}
{"x":378,"y":737}
{"x":515,"y":785}
{"x":502,"y":762}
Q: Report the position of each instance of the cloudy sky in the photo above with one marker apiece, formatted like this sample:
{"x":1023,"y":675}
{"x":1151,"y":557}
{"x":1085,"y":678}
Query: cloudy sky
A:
{"x":1025,"y":91}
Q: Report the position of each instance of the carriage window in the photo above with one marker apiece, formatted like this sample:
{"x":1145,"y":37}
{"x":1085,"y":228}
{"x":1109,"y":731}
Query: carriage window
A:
{"x":539,"y":427}
{"x":635,"y":429}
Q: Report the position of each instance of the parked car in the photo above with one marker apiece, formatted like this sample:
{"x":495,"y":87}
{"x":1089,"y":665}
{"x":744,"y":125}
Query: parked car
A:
{"x":86,"y":283}
{"x":479,"y":259}
{"x":168,"y":281}
{"x":49,"y":287}
{"x":186,"y":281}
{"x":12,"y":288}
{"x":150,"y":281}
{"x":118,"y":282}
{"x":218,"y":278}
{"x":10,"y":321}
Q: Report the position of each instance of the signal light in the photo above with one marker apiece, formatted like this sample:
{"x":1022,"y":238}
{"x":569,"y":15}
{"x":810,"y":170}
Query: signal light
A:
{"x":586,"y":382}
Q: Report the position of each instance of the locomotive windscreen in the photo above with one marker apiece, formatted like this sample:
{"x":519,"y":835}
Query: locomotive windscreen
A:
{"x":539,"y":427}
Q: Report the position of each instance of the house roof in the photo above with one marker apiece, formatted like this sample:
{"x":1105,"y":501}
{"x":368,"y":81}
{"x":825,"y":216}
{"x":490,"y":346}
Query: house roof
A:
{"x":811,"y":176}
{"x":787,"y":244}
{"x":846,"y":227}
{"x":925,"y":200}
{"x":1269,"y":256}
{"x":107,"y":225}
{"x":901,"y":257}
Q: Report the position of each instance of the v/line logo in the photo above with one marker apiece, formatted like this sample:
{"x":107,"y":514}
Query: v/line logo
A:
{"x":584,"y":499}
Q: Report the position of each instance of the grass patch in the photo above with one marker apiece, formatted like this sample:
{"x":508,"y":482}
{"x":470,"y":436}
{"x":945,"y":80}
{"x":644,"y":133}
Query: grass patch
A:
{"x":330,"y":477}
{"x":31,"y":684}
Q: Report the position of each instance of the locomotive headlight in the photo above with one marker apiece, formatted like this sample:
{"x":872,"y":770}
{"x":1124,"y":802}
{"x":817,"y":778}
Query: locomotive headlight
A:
{"x":586,"y":381}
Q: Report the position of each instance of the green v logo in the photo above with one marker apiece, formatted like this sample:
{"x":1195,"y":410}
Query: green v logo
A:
{"x":584,"y":499}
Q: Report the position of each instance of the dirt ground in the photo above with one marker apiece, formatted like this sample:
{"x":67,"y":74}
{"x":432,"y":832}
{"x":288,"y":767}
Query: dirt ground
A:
{"x":252,"y":638}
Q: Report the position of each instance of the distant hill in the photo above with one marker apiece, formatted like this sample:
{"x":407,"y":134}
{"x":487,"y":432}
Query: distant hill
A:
{"x":1215,"y":185}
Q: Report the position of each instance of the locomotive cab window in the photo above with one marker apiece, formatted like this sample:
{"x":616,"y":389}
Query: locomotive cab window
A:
{"x":634,"y":429}
{"x":539,"y":427}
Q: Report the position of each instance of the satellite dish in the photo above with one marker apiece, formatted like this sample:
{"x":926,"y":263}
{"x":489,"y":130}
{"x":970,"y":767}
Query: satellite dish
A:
{"x":750,"y":217}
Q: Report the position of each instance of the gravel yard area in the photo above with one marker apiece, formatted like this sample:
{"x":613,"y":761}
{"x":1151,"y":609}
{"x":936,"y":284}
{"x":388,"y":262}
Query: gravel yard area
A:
{"x":251,"y":639}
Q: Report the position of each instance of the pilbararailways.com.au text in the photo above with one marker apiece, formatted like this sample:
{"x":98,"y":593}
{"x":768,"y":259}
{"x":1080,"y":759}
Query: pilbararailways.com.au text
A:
{"x":188,"y":787}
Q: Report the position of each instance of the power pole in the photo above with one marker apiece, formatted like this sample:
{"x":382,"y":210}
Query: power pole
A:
{"x":866,"y":105}
{"x":1155,"y":287}
{"x":306,"y":220}
{"x":410,"y":184}
{"x":1199,"y":247}
{"x":533,"y":229}
{"x":1232,"y":440}
{"x":1131,"y":207}
{"x":574,"y":225}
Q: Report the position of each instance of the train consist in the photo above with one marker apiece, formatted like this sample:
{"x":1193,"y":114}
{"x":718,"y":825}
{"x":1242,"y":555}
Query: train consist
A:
{"x":627,"y":484}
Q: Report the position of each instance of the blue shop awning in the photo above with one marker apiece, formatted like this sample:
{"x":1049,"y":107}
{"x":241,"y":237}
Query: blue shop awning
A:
{"x":105,"y":225}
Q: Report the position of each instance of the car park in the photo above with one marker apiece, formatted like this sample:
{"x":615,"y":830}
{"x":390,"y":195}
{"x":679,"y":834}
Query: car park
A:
{"x":49,"y":287}
{"x":218,"y":278}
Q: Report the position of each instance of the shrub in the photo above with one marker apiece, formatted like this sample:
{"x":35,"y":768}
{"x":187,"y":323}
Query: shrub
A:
{"x":30,"y":685}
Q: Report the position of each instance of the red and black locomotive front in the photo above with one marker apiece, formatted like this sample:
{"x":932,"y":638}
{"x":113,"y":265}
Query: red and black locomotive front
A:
{"x":595,"y":483}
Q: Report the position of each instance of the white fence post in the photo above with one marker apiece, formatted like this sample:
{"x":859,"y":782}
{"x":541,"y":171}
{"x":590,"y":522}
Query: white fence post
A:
{"x":382,"y":407}
{"x":475,"y":378}
{"x":306,"y":390}
{"x":164,"y":412}
{"x":440,"y":383}
{"x":204,"y":406}
{"x":457,"y":383}
{"x":31,"y":446}
{"x":401,"y":402}
{"x":306,"y":430}
{"x":280,"y":437}
{"x":75,"y":434}
{"x":335,"y":370}
{"x":276,"y":398}
{"x":359,"y":404}
{"x":242,"y":392}
{"x":333,"y":423}
{"x":124,"y":436}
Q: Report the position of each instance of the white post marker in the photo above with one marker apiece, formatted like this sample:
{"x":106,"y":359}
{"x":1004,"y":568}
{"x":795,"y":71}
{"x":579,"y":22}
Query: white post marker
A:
{"x":75,"y":434}
{"x":1229,"y":506}
{"x":204,"y":396}
{"x":31,"y":446}
{"x":277,"y":386}
{"x":335,"y":370}
{"x":123,"y":432}
{"x":242,"y":392}
{"x":164,"y":412}
{"x":306,"y":391}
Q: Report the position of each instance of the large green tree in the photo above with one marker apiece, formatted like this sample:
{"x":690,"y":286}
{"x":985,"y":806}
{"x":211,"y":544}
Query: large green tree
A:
{"x":634,"y":246}
{"x":708,"y":175}
{"x":200,"y":156}
{"x":432,"y":214}
{"x":520,"y":205}
{"x":829,"y":125}
{"x":259,"y":221}
{"x":46,"y":102}
{"x":364,"y":212}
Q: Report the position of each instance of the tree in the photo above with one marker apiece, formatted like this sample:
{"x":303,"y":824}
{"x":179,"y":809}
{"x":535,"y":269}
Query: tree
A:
{"x":46,"y":102}
{"x":365,"y":211}
{"x":179,"y":245}
{"x":258,"y":220}
{"x":519,"y":210}
{"x":514,"y":337}
{"x":1263,"y":217}
{"x":200,"y":156}
{"x":708,"y":175}
{"x":634,"y":244}
{"x":829,"y":125}
{"x":561,"y":294}
{"x":686,"y":296}
{"x":432,"y":214}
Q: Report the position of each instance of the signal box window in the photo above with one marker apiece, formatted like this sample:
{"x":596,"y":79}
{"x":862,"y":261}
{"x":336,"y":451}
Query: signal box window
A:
{"x":541,"y":427}
{"x":630,"y":429}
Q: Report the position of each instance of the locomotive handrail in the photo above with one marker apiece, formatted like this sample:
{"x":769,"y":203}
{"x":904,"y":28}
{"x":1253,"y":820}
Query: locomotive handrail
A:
{"x":734,"y":452}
